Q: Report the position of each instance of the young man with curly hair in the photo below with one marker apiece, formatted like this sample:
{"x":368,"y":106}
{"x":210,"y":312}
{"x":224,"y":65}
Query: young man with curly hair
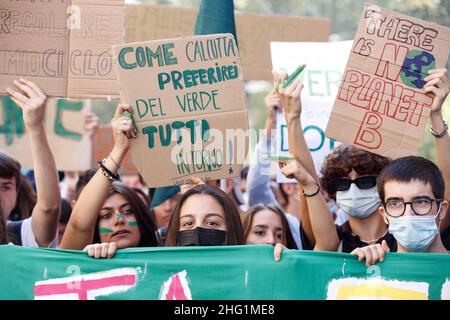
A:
{"x":349,"y":175}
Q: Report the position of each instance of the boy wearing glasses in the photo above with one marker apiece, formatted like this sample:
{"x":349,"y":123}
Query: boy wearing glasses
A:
{"x":412,"y":191}
{"x":348,"y":174}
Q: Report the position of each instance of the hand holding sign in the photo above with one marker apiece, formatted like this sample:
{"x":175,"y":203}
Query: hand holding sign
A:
{"x":122,"y":130}
{"x":439,"y":84}
{"x":290,"y":99}
{"x":194,"y":182}
{"x":32,"y":100}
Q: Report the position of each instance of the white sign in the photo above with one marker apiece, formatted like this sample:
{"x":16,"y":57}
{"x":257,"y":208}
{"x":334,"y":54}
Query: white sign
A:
{"x":325,"y":64}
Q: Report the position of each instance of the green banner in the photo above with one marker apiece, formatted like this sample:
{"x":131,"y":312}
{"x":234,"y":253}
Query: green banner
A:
{"x":224,"y":273}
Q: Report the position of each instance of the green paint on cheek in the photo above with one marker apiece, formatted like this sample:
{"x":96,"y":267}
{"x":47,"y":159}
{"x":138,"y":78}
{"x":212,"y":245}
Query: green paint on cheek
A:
{"x":104,"y":230}
{"x":133,"y":224}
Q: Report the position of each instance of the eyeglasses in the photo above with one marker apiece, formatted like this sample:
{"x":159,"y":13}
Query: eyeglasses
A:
{"x":343,"y":184}
{"x":420,"y":206}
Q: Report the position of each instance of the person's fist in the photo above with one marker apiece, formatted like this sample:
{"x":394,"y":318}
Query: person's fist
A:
{"x":101,"y":250}
{"x":372,"y":254}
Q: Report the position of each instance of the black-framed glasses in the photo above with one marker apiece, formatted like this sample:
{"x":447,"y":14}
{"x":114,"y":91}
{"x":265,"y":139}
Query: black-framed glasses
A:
{"x":420,"y":206}
{"x":343,"y":184}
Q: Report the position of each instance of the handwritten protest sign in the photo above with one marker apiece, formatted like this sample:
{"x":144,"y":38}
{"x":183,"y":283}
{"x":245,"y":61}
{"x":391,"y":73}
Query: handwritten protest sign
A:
{"x":321,"y":78}
{"x":64,"y":122}
{"x":381,"y":105}
{"x":62,"y":45}
{"x":254,"y":32}
{"x":189,"y":106}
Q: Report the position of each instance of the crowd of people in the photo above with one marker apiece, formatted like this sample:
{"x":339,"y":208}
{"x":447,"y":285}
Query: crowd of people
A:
{"x":360,"y":203}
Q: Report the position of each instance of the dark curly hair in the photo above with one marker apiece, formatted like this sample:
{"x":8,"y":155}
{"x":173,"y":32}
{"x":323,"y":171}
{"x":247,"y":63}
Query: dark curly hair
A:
{"x":340,"y":162}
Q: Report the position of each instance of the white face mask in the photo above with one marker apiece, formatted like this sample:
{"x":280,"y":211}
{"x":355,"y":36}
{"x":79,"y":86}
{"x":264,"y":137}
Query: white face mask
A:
{"x":413,"y":232}
{"x":358,"y":203}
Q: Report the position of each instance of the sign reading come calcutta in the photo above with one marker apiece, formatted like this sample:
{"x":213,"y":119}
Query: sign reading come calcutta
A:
{"x":381,"y":105}
{"x":239,"y":272}
{"x":189,"y":107}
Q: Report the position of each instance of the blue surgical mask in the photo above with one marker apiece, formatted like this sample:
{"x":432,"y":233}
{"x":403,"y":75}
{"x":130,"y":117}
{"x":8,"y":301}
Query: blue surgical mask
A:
{"x":358,"y":203}
{"x":413,"y":232}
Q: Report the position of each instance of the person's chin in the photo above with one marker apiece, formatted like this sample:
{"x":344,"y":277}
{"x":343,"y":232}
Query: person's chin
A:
{"x":123,"y":243}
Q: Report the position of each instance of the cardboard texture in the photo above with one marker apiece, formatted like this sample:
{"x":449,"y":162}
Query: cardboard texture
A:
{"x":64,"y":124}
{"x":254,"y":32}
{"x":381,"y":106}
{"x":64,"y":46}
{"x":102,"y":145}
{"x":188,"y":100}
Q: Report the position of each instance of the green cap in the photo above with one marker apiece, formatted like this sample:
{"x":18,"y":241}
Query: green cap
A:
{"x":163,"y":194}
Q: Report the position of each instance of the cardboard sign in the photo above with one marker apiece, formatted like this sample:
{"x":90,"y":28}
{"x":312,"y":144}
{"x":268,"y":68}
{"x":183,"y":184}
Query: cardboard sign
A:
{"x":381,"y":106}
{"x":325,"y":64}
{"x":189,"y":106}
{"x":254,"y":32}
{"x":62,"y":45}
{"x":101,"y":147}
{"x":64,"y":124}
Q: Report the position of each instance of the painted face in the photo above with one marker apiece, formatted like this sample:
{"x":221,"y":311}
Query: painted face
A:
{"x":201,"y":210}
{"x":8,"y":195}
{"x":117,"y":223}
{"x":266,"y":228}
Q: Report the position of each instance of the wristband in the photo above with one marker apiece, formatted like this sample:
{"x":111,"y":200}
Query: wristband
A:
{"x":308,"y":195}
{"x":442,"y":133}
{"x":107,"y":173}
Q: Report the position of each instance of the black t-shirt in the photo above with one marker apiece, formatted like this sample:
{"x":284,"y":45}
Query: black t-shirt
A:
{"x":349,"y":241}
{"x":445,"y":236}
{"x":14,"y":232}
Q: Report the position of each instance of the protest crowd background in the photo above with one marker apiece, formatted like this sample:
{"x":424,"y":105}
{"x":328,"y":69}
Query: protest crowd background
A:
{"x":117,"y":138}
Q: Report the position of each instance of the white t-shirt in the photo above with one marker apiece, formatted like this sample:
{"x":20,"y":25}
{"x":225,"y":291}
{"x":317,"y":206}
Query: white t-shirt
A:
{"x":28,"y":238}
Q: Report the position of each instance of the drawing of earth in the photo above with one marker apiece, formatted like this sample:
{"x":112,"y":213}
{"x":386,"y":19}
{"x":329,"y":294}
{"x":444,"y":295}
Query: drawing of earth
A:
{"x":415,"y":68}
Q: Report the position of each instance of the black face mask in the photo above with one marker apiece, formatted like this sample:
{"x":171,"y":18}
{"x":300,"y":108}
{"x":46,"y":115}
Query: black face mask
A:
{"x":201,"y":237}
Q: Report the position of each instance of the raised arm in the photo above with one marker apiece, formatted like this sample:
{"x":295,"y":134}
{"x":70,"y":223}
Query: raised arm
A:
{"x":291,"y":103}
{"x":438,"y":84}
{"x":80,"y":229}
{"x":321,"y":221}
{"x":46,"y":212}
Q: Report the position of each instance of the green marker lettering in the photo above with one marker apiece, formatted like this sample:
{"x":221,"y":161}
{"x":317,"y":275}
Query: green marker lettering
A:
{"x":59,"y":128}
{"x":168,"y":55}
{"x":13,"y":120}
{"x":122,"y":61}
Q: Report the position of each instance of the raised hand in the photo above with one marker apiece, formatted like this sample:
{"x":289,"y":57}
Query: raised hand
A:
{"x":290,"y":98}
{"x":31,"y":99}
{"x":122,"y":128}
{"x":437,"y":83}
